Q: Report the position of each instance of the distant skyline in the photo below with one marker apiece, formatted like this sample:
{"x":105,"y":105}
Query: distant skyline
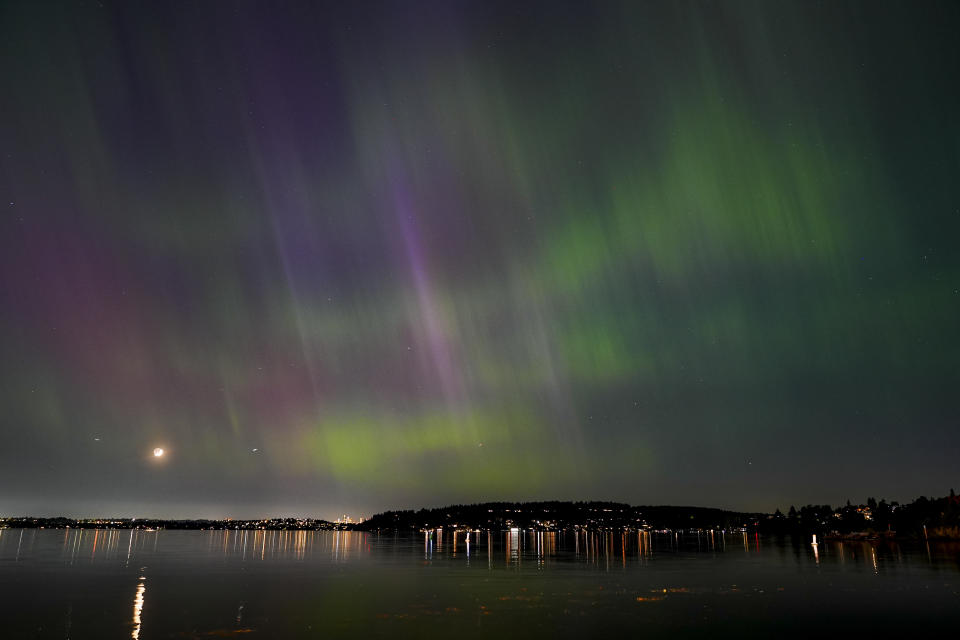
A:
{"x":341,"y":259}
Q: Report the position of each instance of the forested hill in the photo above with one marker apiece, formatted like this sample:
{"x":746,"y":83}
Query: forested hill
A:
{"x":558,"y":515}
{"x":924,"y":517}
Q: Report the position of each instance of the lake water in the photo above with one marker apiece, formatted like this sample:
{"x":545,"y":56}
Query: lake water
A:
{"x":272,"y":584}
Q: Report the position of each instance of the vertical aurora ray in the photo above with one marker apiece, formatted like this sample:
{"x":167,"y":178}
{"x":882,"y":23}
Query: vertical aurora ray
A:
{"x":447,"y":374}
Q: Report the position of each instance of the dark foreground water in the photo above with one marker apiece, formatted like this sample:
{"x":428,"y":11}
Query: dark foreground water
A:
{"x":213,"y":584}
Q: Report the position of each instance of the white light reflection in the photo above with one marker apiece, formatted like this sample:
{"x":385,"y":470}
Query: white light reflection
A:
{"x":129,"y":548}
{"x":137,"y":608}
{"x":513,"y":546}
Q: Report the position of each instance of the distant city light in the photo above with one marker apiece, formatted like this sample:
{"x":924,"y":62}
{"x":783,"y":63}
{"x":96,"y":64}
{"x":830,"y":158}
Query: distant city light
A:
{"x":158,"y":452}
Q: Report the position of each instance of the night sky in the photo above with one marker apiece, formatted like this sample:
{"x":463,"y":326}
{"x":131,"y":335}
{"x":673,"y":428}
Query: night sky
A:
{"x":339,"y":258}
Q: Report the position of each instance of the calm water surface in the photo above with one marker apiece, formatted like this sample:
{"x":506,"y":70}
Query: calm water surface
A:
{"x":212,"y":584}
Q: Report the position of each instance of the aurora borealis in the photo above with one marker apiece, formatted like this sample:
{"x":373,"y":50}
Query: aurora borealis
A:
{"x":341,"y":259}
